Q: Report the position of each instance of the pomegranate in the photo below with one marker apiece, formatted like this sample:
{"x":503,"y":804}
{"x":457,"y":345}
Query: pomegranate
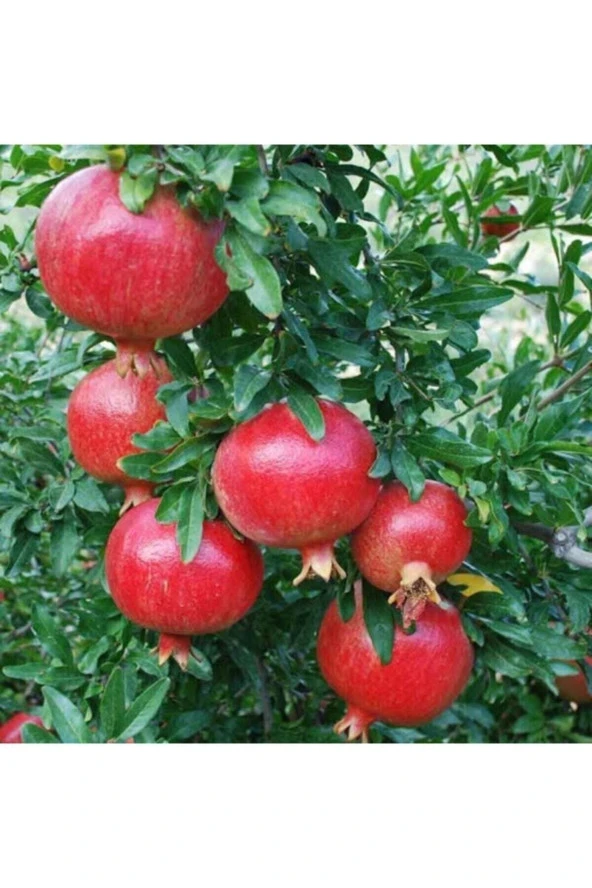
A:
{"x":131,"y":276}
{"x":407,"y":548}
{"x":153,"y":588}
{"x":107,"y":407}
{"x":427,"y":672}
{"x":281,"y":488}
{"x":500,"y":229}
{"x":10,"y":731}
{"x":574,"y":687}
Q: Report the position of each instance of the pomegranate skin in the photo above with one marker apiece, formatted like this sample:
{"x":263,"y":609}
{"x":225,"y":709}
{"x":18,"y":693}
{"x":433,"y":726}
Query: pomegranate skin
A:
{"x":106,"y":409}
{"x":132,"y":276}
{"x":153,"y":588}
{"x":500,"y":229}
{"x":10,"y":731}
{"x":398,"y":533}
{"x":574,"y":687}
{"x":280,"y":488}
{"x":427,"y":672}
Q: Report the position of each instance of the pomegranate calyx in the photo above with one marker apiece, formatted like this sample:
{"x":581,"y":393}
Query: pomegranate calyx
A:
{"x":354,"y":724}
{"x":137,"y":357}
{"x":414,"y":592}
{"x":319,"y":560}
{"x":176,"y":646}
{"x":135,"y":494}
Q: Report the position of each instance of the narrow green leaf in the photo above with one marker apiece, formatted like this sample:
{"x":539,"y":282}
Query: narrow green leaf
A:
{"x":380,"y":622}
{"x":66,"y":718}
{"x":265,"y":290}
{"x":514,"y":386}
{"x":51,"y":635}
{"x":190,"y":524}
{"x":135,"y":193}
{"x":35,"y":734}
{"x":64,"y":544}
{"x":112,"y":705}
{"x":407,"y":470}
{"x":144,"y":708}
{"x":443,"y":446}
{"x":248,"y":382}
{"x":306,"y":408}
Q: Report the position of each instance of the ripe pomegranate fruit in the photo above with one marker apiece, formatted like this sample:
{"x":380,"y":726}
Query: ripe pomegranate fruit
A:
{"x":281,"y":488}
{"x":574,"y":687}
{"x":407,"y":548}
{"x":500,"y":229}
{"x":132,"y":276}
{"x":427,"y":672}
{"x":112,"y":403}
{"x":153,"y":588}
{"x":10,"y":731}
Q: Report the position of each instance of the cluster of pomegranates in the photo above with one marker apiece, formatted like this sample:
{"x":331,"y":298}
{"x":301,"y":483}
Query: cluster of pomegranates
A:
{"x":141,"y":277}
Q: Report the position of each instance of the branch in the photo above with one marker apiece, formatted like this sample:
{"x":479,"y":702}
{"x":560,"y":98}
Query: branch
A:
{"x":562,"y":541}
{"x":565,"y":387}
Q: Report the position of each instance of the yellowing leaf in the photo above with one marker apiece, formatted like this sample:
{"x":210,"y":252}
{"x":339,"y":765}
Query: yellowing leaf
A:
{"x":474,"y":584}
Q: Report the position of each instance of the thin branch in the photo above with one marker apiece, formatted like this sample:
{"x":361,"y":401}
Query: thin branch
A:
{"x":565,"y":387}
{"x":562,"y":541}
{"x":262,"y":160}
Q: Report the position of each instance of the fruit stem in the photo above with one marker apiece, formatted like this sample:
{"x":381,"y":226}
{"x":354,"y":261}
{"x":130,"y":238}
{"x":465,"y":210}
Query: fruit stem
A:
{"x":319,"y":560}
{"x":354,"y":724}
{"x":176,"y":646}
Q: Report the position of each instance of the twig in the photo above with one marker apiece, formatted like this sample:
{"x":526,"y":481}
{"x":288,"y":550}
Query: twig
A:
{"x":565,"y":387}
{"x":265,"y":701}
{"x":562,"y":540}
{"x":262,"y":160}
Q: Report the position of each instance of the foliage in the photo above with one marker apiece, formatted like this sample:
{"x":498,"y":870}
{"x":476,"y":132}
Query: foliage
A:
{"x":358,"y":274}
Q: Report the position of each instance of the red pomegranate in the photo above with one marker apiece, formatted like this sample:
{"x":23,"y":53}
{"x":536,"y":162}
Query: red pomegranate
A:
{"x":153,"y":588}
{"x":132,"y":276}
{"x":281,"y":488}
{"x":574,"y":687}
{"x":106,"y":408}
{"x":500,"y":229}
{"x":10,"y":731}
{"x":407,"y":548}
{"x":427,"y":672}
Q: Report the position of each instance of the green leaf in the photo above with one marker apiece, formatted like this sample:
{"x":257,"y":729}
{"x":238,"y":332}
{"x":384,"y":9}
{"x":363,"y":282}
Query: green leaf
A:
{"x":381,"y":466}
{"x":112,"y":705}
{"x":513,"y":387}
{"x":88,"y":662}
{"x":288,"y":199}
{"x":579,"y":324}
{"x":556,"y":417}
{"x":190,"y":525}
{"x":421,"y":335}
{"x":199,"y":666}
{"x":549,"y":643}
{"x":248,"y":382}
{"x":88,"y":496}
{"x":179,"y":355}
{"x":331,"y":259}
{"x":248,"y":213}
{"x":407,"y":470}
{"x":51,"y":635}
{"x":168,"y":508}
{"x":185,"y":453}
{"x":467,"y":301}
{"x":64,"y":544}
{"x":380,"y":622}
{"x":306,"y":408}
{"x":160,"y":437}
{"x":140,"y":465}
{"x":264,"y":290}
{"x":540,"y":210}
{"x":66,"y":719}
{"x":552,"y":316}
{"x":443,"y":446}
{"x":135,"y":193}
{"x":144,"y":708}
{"x":35,"y":734}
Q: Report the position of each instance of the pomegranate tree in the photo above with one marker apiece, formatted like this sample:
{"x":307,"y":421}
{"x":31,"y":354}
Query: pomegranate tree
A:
{"x":281,"y":488}
{"x":406,"y":548}
{"x":428,"y":669}
{"x":107,"y":407}
{"x":152,"y":586}
{"x":490,"y":227}
{"x":11,"y":730}
{"x":131,"y":276}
